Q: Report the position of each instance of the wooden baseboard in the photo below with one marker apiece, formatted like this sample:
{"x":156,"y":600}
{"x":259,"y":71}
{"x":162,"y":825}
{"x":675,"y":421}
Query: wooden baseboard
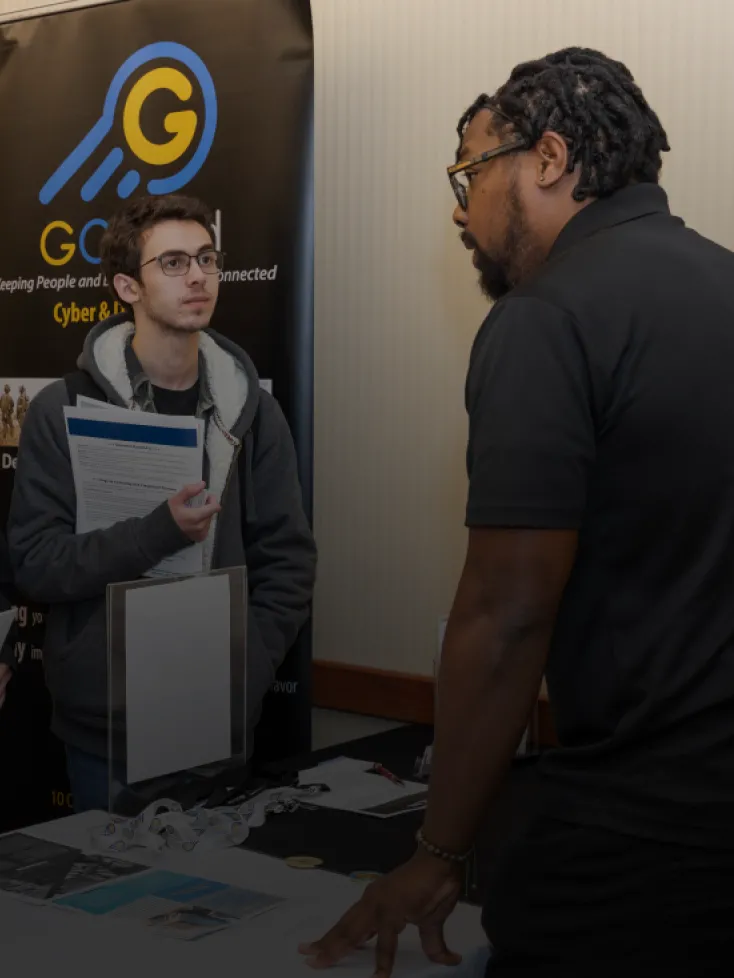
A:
{"x":398,"y":696}
{"x":373,"y":692}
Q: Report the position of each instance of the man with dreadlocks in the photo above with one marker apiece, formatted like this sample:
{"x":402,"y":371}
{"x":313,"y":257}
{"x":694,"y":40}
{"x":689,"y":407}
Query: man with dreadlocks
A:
{"x":601,"y":553}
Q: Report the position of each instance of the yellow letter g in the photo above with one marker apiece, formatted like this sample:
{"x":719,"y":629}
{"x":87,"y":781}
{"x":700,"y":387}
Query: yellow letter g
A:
{"x":67,"y":250}
{"x":182,"y":125}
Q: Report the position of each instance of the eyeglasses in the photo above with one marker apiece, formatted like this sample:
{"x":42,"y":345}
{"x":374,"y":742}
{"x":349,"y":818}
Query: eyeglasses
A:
{"x":461,"y":180}
{"x":176,"y":263}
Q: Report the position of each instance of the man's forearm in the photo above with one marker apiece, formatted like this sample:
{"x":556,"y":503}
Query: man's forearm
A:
{"x":53,"y":567}
{"x":489,"y":680}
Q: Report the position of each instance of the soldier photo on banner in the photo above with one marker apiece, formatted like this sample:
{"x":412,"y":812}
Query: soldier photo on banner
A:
{"x":8,"y":435}
{"x":15,"y":400}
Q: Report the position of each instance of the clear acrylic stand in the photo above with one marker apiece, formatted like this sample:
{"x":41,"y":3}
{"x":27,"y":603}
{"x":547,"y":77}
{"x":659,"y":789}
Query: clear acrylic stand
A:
{"x":177,"y":652}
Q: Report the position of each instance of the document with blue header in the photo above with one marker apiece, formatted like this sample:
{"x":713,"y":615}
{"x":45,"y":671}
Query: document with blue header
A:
{"x":126,"y":463}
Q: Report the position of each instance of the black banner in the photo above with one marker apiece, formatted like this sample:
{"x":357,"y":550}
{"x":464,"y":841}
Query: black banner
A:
{"x":214,"y":99}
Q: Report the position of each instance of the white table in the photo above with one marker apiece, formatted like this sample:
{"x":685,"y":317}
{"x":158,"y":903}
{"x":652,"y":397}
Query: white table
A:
{"x":42,"y":940}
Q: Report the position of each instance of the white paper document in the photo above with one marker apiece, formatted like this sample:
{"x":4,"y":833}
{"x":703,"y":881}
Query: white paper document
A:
{"x":354,"y":788}
{"x":178,"y":676}
{"x":6,"y":623}
{"x":93,"y":404}
{"x":126,"y":463}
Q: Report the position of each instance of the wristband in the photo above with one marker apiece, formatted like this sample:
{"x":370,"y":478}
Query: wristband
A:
{"x":450,"y":857}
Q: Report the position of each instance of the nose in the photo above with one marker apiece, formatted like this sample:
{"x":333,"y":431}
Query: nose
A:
{"x":459,"y":216}
{"x":195,"y":274}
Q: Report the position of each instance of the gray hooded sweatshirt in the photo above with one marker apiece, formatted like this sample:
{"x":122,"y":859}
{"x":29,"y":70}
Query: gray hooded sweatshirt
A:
{"x":261,"y":525}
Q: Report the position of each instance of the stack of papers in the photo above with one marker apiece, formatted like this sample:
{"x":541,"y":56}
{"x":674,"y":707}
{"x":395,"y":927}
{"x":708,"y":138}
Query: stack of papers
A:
{"x":354,"y":788}
{"x":170,"y":904}
{"x":38,"y":871}
{"x":126,"y":463}
{"x":173,"y":905}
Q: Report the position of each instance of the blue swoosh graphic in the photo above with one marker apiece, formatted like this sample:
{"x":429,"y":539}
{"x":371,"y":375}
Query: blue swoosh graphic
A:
{"x":103,"y":173}
{"x":151,"y":52}
{"x":128,"y":183}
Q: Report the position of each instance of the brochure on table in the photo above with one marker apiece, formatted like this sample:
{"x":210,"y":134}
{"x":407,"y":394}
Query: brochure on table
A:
{"x":355,"y":787}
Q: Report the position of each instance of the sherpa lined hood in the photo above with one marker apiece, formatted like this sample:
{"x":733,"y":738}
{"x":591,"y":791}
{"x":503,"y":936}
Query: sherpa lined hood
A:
{"x":231,"y":374}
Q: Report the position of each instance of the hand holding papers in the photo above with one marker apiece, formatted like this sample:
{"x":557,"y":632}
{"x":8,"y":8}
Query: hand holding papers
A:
{"x":193,"y":510}
{"x":126,"y":463}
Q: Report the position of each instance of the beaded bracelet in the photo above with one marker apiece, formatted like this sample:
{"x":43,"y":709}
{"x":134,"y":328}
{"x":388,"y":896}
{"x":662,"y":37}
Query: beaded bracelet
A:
{"x":450,"y":857}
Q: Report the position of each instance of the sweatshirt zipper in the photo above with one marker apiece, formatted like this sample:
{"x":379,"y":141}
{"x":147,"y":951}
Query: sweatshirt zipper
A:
{"x":236,"y":444}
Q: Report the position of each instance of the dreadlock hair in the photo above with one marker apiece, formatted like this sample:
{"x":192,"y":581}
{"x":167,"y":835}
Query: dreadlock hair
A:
{"x":594,"y":104}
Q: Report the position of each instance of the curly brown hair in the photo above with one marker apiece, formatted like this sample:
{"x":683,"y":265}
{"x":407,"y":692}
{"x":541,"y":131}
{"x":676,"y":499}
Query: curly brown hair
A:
{"x":121,"y":243}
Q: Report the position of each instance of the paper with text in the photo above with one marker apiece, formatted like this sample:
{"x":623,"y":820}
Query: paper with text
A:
{"x":126,"y":463}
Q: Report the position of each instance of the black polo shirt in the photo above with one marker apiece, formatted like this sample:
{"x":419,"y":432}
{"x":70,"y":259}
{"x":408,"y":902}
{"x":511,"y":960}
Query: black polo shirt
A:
{"x":601,"y":399}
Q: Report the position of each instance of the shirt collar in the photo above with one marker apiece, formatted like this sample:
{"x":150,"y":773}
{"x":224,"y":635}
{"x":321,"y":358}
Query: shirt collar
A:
{"x":142,"y":387}
{"x":633,"y":202}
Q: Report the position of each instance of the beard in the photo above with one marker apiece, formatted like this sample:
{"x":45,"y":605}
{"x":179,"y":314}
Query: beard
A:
{"x":501,"y":269}
{"x":183,"y":329}
{"x":493,"y":279}
{"x":187,"y":325}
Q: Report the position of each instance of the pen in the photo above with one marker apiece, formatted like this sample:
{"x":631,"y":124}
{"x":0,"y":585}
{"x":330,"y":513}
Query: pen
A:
{"x":384,"y":773}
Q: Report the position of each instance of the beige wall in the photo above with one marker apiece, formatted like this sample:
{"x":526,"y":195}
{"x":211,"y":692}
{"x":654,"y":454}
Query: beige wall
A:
{"x":396,"y":299}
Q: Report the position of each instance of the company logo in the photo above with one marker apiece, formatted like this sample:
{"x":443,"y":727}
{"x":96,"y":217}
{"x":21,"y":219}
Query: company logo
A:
{"x":182,"y":126}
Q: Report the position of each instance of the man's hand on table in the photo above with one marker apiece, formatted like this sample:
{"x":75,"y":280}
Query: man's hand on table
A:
{"x":6,"y":674}
{"x":494,"y":655}
{"x":423,"y":891}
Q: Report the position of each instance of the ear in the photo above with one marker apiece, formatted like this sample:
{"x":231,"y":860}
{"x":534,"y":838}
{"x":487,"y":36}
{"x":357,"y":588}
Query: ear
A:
{"x":551,"y":155}
{"x":128,"y":289}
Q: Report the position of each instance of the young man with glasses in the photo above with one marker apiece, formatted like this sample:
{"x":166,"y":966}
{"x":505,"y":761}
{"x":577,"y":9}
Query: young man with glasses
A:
{"x":159,"y":257}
